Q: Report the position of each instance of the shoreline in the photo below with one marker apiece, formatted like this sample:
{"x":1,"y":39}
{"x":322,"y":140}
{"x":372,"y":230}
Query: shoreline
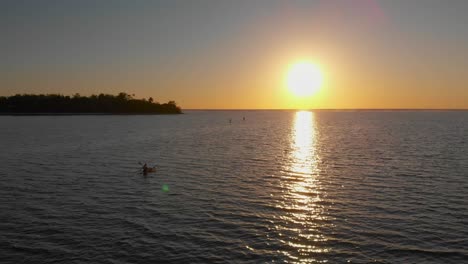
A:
{"x":82,"y":114}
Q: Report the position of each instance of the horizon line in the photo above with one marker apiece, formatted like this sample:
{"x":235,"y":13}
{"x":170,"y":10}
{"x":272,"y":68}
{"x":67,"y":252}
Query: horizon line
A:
{"x":325,"y":109}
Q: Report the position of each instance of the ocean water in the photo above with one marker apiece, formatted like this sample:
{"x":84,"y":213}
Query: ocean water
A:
{"x":279,"y":187}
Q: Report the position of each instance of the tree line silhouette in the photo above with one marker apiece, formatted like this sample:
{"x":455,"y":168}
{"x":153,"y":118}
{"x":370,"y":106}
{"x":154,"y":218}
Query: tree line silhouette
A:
{"x":122,"y":103}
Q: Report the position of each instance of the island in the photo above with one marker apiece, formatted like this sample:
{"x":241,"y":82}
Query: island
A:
{"x":43,"y":104}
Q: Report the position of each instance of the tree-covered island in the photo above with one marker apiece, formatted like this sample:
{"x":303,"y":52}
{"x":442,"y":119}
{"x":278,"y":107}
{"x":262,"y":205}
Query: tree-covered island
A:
{"x":122,"y":103}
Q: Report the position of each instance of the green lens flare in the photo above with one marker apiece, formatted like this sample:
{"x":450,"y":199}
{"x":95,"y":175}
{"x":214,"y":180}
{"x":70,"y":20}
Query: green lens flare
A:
{"x":165,"y":188}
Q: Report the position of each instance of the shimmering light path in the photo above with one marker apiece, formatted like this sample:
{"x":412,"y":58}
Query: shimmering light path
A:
{"x":303,"y":214}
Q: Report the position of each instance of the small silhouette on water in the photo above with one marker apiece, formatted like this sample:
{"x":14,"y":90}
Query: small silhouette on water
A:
{"x":230,"y":120}
{"x":145,"y":169}
{"x":243,"y":119}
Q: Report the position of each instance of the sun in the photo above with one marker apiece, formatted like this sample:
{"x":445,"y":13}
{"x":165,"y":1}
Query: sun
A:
{"x":304,"y":79}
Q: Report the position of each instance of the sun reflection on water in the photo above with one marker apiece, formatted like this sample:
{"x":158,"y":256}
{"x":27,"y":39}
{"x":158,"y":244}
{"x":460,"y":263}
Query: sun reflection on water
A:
{"x":303,"y":138}
{"x":303,"y":213}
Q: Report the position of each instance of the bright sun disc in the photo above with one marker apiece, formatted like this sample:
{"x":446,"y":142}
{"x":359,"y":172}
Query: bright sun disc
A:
{"x":304,"y":79}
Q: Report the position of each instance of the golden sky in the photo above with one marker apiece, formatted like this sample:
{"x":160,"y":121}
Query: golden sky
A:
{"x":236,"y":54}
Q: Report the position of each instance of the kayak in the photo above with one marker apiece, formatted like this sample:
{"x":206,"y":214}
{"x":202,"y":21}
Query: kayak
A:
{"x":148,"y":170}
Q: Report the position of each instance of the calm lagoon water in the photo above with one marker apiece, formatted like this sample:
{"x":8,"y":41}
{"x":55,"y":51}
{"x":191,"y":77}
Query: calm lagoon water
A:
{"x":279,"y":187}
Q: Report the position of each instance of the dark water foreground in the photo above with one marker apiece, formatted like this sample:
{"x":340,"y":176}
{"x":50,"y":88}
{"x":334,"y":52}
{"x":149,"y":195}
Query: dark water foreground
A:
{"x":385,"y":187}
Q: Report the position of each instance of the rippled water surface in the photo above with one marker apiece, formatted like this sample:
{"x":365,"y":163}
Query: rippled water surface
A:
{"x":281,"y":186}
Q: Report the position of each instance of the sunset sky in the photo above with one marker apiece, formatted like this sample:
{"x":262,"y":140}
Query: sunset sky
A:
{"x":223,"y":54}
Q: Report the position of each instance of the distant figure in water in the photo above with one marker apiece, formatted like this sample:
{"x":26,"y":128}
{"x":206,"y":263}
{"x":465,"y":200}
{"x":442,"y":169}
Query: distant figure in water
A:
{"x":145,"y":169}
{"x":243,"y":118}
{"x":230,"y":120}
